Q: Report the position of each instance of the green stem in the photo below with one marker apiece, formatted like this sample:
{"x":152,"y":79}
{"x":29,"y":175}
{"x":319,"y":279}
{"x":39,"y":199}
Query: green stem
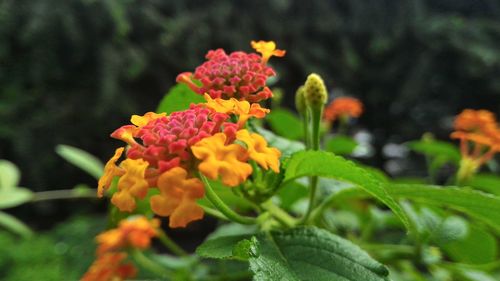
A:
{"x":170,"y":244}
{"x":316,"y":114}
{"x":279,"y":214}
{"x":149,"y":264}
{"x":214,"y":213}
{"x":305,"y":125}
{"x":316,"y":124}
{"x":63,"y":194}
{"x":222,"y":207}
{"x":313,"y":184}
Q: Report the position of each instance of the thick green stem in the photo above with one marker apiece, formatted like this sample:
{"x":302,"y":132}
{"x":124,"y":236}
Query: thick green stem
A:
{"x":149,"y":264}
{"x":222,"y":207}
{"x":316,"y":114}
{"x":170,"y":244}
{"x":279,"y":214}
{"x":305,"y":126}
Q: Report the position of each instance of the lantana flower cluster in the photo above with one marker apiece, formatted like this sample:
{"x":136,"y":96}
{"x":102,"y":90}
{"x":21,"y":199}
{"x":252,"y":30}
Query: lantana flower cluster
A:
{"x":237,"y":75}
{"x":343,"y":108}
{"x":171,"y":152}
{"x":479,"y":135}
{"x":111,"y":262}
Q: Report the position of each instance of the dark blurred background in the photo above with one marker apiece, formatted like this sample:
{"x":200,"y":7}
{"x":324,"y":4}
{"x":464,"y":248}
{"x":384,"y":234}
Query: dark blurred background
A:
{"x":71,"y":71}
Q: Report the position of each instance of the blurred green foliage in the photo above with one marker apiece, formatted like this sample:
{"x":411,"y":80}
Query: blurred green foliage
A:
{"x":73,"y":71}
{"x":63,"y":253}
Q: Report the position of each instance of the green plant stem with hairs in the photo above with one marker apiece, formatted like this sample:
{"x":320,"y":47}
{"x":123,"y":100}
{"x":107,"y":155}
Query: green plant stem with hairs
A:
{"x":316,"y":115}
{"x":222,"y":207}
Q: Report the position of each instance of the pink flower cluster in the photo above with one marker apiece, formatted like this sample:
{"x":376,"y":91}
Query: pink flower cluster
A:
{"x":237,"y":75}
{"x":166,"y":140}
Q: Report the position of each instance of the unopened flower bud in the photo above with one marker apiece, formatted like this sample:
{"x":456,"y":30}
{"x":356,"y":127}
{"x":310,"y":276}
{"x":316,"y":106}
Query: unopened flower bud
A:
{"x":300,"y":101}
{"x":315,"y":91}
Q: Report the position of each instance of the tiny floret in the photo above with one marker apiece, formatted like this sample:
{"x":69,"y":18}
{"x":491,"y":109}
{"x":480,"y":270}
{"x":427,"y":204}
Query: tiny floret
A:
{"x":267,"y":49}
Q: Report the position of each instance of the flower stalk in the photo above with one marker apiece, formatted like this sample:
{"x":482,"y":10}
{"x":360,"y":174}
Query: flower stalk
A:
{"x":222,"y":207}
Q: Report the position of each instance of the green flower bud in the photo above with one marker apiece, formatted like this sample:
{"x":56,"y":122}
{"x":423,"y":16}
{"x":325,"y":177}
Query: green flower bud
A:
{"x":315,"y":91}
{"x":300,"y":101}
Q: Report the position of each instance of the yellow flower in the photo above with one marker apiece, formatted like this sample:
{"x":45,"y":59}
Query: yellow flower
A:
{"x":110,"y":171}
{"x":267,"y":157}
{"x":177,"y":198}
{"x":141,"y":121}
{"x":267,"y":49}
{"x":132,"y":184}
{"x":218,"y":159}
{"x":243,"y":109}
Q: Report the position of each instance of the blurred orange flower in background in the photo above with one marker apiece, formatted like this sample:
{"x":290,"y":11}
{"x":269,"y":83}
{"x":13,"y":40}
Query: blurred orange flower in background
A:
{"x":343,"y":107}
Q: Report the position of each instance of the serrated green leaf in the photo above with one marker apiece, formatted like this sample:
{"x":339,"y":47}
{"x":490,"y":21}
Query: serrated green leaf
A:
{"x":325,"y":164}
{"x":246,"y":249}
{"x":9,"y":175}
{"x":341,"y":145}
{"x":435,"y":148}
{"x":222,"y":247}
{"x":81,"y":159}
{"x":13,"y":224}
{"x":476,"y":204}
{"x":487,"y":182}
{"x":309,"y":253}
{"x":285,"y":123}
{"x":178,"y":98}
{"x":13,"y":197}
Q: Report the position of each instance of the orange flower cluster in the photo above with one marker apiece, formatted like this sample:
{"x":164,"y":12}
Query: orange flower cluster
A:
{"x":168,"y":152}
{"x":110,"y":267}
{"x":343,"y":107}
{"x":134,"y":232}
{"x":479,"y":135}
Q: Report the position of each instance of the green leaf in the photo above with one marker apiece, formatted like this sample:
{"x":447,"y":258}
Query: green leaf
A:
{"x":477,"y":247}
{"x":476,"y":204}
{"x":309,"y":253}
{"x":81,"y":159}
{"x":285,"y":123}
{"x":13,"y":224}
{"x":324,"y":164}
{"x":227,"y":247}
{"x":487,"y":182}
{"x":435,"y":148}
{"x":9,"y":175}
{"x":290,"y":194}
{"x":246,"y":249}
{"x":341,"y":145}
{"x":286,"y":146}
{"x":178,"y":98}
{"x":13,"y":197}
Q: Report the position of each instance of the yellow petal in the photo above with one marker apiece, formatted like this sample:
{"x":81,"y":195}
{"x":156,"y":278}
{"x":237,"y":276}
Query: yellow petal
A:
{"x":266,"y":157}
{"x":110,"y":171}
{"x":219,"y":160}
